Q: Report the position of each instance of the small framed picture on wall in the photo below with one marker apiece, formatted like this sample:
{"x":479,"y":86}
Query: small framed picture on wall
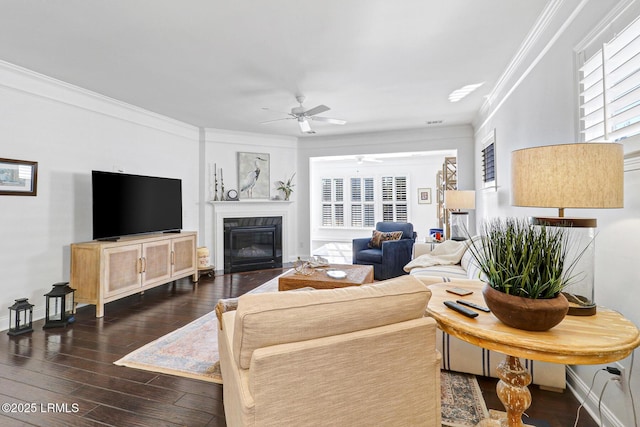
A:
{"x":253,"y":175}
{"x":424,"y":196}
{"x":18,"y":177}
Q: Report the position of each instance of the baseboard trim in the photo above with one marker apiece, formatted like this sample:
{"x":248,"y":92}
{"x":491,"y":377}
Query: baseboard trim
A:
{"x":580,"y":389}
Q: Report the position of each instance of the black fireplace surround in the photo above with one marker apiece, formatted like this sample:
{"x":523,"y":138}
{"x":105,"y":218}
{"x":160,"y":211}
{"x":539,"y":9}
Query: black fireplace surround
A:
{"x":252,"y":243}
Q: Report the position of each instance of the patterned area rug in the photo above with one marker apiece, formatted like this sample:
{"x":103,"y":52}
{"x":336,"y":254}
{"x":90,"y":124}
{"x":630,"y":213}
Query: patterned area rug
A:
{"x":192,"y":352}
{"x":461,"y":400}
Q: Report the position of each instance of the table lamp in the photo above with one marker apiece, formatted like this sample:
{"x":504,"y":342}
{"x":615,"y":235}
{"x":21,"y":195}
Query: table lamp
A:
{"x":454,"y":200}
{"x":581,"y":175}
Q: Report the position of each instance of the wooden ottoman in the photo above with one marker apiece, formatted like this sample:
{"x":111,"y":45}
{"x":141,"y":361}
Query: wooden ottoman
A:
{"x":356,"y":275}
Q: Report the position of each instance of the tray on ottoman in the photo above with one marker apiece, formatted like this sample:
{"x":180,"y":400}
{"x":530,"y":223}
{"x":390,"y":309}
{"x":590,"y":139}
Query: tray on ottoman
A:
{"x":354,"y":275}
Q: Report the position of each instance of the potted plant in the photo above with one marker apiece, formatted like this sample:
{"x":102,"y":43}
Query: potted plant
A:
{"x":526,"y":268}
{"x":286,"y":187}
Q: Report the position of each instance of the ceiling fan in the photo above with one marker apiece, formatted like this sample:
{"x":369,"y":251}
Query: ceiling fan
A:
{"x":364,"y":159}
{"x":303,"y":116}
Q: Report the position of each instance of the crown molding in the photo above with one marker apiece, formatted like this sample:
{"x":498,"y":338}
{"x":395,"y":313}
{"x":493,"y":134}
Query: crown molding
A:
{"x":223,"y":136}
{"x":603,"y":25}
{"x":537,"y":32}
{"x":515,"y":73}
{"x":20,"y":79}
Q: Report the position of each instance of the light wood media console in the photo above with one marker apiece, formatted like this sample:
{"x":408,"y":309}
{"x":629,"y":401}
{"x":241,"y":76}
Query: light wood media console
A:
{"x":105,"y":271}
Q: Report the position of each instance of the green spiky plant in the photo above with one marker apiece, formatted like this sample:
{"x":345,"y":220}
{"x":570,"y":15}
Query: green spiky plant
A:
{"x":286,"y":187}
{"x":522,"y":259}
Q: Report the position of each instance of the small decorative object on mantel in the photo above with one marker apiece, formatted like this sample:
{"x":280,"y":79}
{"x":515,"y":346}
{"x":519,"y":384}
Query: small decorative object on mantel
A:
{"x":286,"y":187}
{"x":222,"y":195}
{"x":20,"y":317}
{"x":60,"y":306}
{"x":232,"y":195}
{"x":525,"y":270}
{"x":215,"y":179}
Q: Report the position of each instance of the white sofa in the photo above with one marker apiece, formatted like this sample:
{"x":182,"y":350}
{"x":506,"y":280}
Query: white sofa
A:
{"x":355,"y":356}
{"x":458,"y":355}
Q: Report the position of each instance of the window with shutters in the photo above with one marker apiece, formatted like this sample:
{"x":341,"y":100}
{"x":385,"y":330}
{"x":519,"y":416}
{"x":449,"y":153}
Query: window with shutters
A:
{"x":394,"y":198}
{"x":364,"y":201}
{"x":332,"y":202}
{"x":489,"y":160}
{"x":610,"y":88}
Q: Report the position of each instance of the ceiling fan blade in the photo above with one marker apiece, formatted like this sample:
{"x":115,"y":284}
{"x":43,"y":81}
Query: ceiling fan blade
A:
{"x":316,"y":110}
{"x":275,"y":111}
{"x":276,"y":120}
{"x":328,"y":120}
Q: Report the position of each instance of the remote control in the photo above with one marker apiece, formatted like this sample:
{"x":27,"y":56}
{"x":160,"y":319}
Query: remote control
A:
{"x":473,"y":305}
{"x":460,"y":309}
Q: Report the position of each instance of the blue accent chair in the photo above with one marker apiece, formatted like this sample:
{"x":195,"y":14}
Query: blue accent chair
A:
{"x":389,"y":260}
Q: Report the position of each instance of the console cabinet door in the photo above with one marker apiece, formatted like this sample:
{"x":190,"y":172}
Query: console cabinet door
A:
{"x":122,"y":269}
{"x":184,"y":255}
{"x":156,"y":262}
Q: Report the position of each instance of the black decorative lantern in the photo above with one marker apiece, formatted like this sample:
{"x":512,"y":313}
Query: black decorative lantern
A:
{"x":60,"y":306}
{"x":20,"y":317}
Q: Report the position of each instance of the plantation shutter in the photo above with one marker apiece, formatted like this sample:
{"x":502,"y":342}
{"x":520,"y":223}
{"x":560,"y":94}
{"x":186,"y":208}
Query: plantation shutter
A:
{"x":326,"y":207}
{"x":387,"y":188}
{"x":326,"y":215}
{"x":339,"y":189}
{"x":387,"y":212}
{"x":326,"y":190}
{"x":401,"y":196}
{"x":368,"y":208}
{"x":401,"y":213}
{"x":356,"y":215}
{"x":592,"y":98}
{"x":610,"y":88}
{"x":488,"y":163}
{"x":338,"y":218}
{"x":339,"y":215}
{"x":356,"y":190}
{"x":394,"y":199}
{"x":332,"y":202}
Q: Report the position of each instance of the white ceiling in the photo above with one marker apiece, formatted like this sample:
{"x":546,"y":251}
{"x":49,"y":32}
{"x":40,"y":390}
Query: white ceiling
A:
{"x":379,"y":64}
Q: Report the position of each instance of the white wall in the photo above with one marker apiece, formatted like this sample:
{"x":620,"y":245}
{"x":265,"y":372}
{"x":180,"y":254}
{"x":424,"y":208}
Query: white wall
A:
{"x":459,"y":138}
{"x":221,"y":148}
{"x":70,"y":132}
{"x":538,"y":106}
{"x":420,"y":171}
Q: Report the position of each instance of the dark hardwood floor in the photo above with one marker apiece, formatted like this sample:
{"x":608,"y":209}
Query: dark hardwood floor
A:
{"x":66,"y":376}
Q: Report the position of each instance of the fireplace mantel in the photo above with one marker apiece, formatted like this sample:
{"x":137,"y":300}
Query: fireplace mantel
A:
{"x":252,"y":208}
{"x":248,"y":202}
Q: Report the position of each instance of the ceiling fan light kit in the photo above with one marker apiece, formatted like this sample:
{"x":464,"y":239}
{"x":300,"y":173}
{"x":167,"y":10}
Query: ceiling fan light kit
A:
{"x":303,"y":116}
{"x":304,"y":125}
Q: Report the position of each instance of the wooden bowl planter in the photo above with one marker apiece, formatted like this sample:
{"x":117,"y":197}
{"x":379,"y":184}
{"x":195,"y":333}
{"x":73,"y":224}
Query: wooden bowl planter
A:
{"x":526,"y":313}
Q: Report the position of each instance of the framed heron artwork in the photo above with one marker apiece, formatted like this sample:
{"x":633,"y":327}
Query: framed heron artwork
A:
{"x":253,"y":175}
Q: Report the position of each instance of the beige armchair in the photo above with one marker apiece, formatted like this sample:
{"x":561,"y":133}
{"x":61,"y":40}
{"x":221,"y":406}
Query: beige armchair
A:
{"x":356,"y":356}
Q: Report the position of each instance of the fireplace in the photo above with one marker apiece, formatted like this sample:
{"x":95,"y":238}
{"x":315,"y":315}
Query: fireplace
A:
{"x":252,"y":243}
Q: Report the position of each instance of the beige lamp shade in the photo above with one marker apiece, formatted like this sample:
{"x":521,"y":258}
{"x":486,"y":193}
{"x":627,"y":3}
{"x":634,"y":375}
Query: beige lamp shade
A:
{"x":458,"y":199}
{"x":583,"y":175}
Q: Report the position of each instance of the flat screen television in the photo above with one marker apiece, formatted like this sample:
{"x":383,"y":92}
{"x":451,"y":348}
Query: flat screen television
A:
{"x":125,"y":204}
